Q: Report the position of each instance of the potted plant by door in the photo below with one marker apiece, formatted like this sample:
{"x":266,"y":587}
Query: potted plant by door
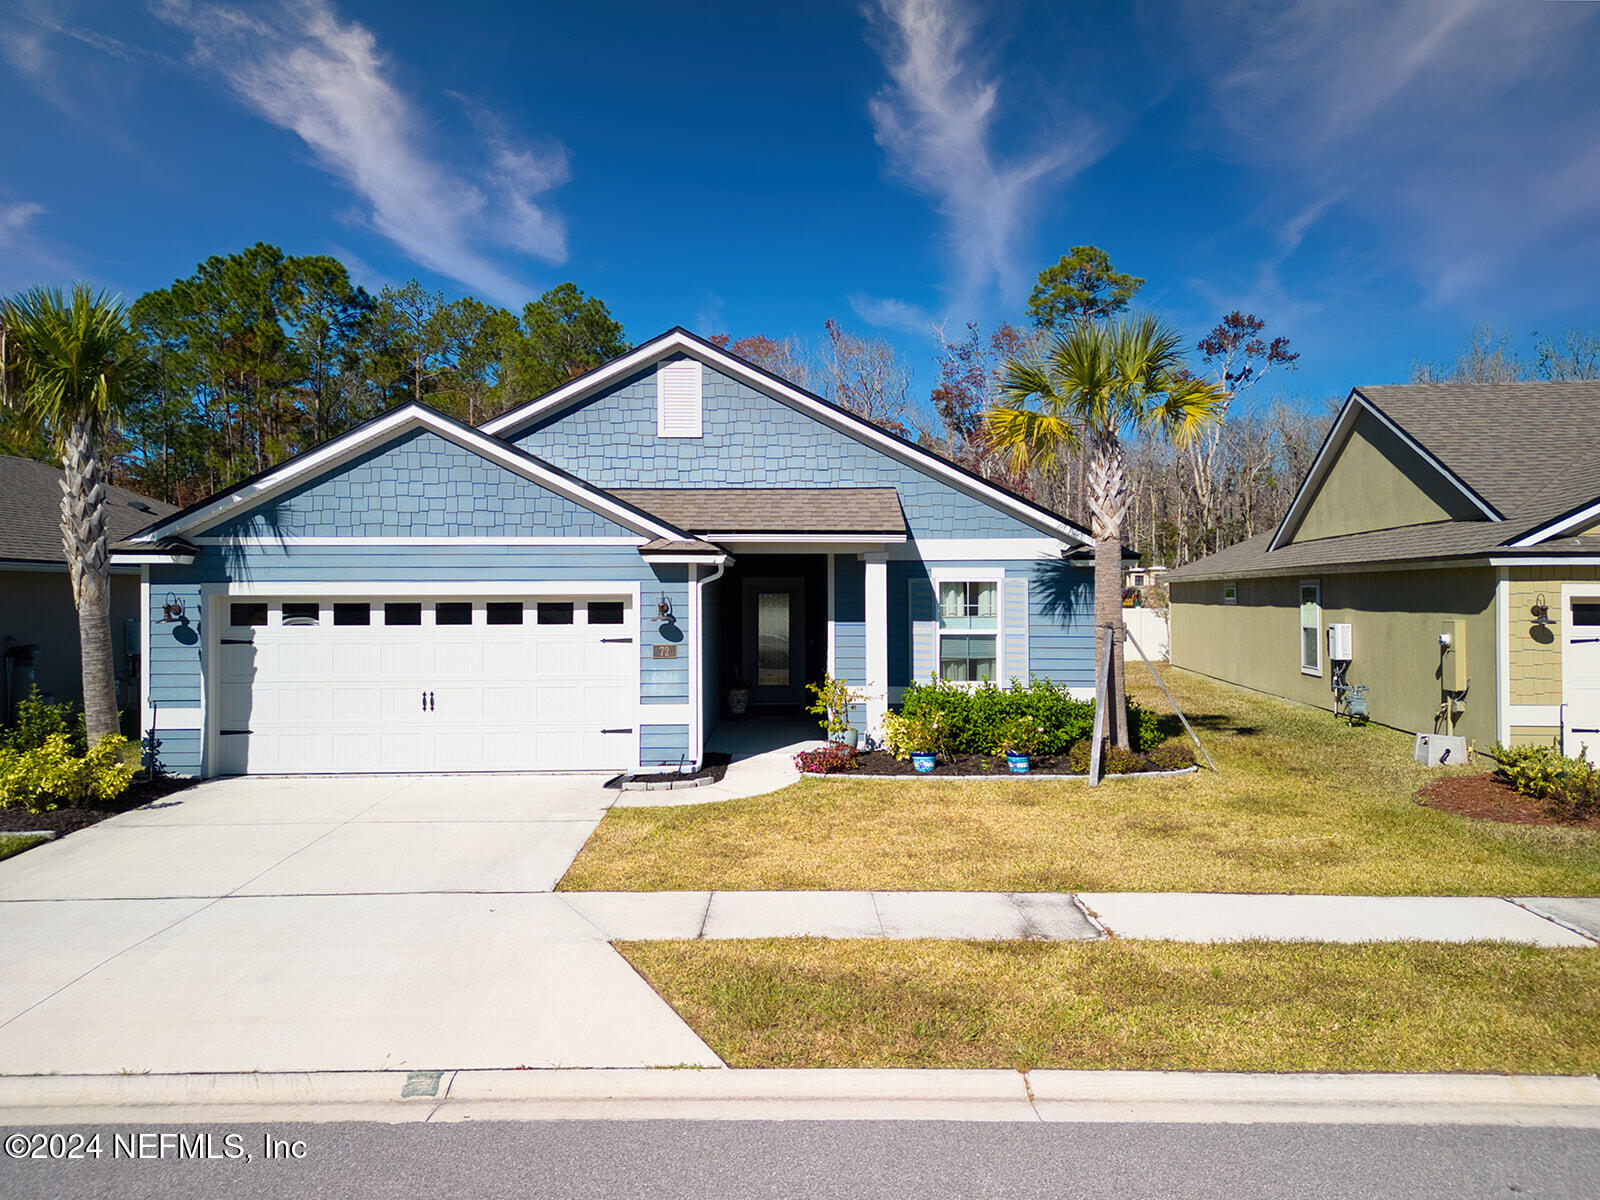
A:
{"x":1018,"y":739}
{"x":921,"y":737}
{"x":738,"y":695}
{"x":832,"y":709}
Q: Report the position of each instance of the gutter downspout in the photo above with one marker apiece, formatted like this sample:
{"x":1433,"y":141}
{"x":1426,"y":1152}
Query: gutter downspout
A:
{"x":697,"y":719}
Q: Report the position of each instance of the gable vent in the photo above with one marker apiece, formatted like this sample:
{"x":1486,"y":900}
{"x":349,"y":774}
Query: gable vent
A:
{"x":678,"y":398}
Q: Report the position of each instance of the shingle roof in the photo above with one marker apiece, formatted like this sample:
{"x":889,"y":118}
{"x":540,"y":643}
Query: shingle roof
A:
{"x":772,"y":510}
{"x":1506,"y":441}
{"x":30,"y":511}
{"x":1520,"y":446}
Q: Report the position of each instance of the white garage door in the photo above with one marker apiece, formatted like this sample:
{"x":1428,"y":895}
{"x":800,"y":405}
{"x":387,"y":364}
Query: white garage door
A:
{"x":1581,"y":669}
{"x":397,"y":684}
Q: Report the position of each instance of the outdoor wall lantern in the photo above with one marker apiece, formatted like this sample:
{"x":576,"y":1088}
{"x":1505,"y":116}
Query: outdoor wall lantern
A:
{"x":664,"y":608}
{"x":1541,"y":611}
{"x":172,"y":610}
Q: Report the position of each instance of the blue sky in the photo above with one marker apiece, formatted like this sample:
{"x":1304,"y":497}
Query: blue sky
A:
{"x":1372,"y":178}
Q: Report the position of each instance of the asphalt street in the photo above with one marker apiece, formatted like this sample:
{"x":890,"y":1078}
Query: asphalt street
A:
{"x":666,"y":1160}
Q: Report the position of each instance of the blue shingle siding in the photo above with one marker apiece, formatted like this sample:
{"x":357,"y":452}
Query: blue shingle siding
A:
{"x":663,"y":745}
{"x":420,"y":485}
{"x":750,"y":439}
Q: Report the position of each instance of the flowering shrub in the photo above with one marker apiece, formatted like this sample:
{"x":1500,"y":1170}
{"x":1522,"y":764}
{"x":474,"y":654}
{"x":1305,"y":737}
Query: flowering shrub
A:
{"x":46,"y":775}
{"x":1019,"y":735}
{"x":925,"y":732}
{"x":826,"y":760}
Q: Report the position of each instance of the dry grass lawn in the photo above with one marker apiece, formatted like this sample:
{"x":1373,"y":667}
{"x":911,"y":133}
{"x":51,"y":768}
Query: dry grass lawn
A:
{"x":1135,"y":1005}
{"x":1303,"y":803}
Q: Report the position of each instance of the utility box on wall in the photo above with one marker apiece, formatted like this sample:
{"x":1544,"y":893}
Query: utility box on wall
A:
{"x":1453,"y":655}
{"x":1341,"y":642}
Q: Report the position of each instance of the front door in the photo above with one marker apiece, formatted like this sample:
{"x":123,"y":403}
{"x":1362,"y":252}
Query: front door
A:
{"x":774,"y":640}
{"x":1581,"y":670}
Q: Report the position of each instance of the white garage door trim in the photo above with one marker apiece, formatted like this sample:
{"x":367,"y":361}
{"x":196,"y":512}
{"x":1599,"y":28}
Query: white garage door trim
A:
{"x":449,"y":748}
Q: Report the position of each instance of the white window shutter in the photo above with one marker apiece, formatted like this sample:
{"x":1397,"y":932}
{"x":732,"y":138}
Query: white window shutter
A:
{"x":678,"y":398}
{"x":1015,"y":624}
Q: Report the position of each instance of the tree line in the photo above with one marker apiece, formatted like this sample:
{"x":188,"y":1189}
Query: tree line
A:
{"x":260,"y":355}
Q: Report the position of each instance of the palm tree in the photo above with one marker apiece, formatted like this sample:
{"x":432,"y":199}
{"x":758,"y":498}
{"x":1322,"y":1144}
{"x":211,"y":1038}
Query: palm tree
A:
{"x":62,"y":365}
{"x":1092,"y":383}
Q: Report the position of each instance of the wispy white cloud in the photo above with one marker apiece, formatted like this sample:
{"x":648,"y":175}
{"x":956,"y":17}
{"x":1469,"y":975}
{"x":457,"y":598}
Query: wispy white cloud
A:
{"x":935,"y":120}
{"x":326,"y":80}
{"x":26,"y":257}
{"x":888,"y":313}
{"x":1462,"y":130}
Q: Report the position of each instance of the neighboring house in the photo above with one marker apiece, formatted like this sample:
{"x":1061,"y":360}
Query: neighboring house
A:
{"x":1139,"y":577}
{"x":36,"y":608}
{"x":1461,"y":511}
{"x":579,"y":583}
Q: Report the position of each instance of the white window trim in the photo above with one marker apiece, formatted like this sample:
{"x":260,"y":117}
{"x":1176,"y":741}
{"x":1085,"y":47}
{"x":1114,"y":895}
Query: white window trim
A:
{"x":1230,"y":593}
{"x":994,"y":575}
{"x":1301,"y":627}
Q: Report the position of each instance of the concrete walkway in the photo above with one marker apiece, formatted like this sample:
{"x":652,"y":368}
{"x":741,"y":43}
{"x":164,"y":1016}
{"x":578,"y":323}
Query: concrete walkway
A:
{"x":1054,"y":916}
{"x":762,"y":750}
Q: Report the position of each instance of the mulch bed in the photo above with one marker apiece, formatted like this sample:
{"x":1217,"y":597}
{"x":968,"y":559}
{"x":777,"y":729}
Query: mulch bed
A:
{"x":880,"y":762}
{"x":68,"y":820}
{"x":712,"y":769}
{"x":1490,"y":798}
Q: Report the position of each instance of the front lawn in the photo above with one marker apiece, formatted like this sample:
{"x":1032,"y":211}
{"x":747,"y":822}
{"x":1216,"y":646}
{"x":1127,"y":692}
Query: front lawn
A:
{"x":11,"y":843}
{"x":1135,"y":1005}
{"x":1303,"y":803}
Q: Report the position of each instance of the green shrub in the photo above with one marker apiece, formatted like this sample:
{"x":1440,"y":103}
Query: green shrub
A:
{"x":38,"y":720}
{"x":1017,"y":735}
{"x":1570,"y":787}
{"x":1113,"y":759}
{"x":972,"y":715}
{"x":1172,"y":756}
{"x":44,"y":776}
{"x":924,"y":732}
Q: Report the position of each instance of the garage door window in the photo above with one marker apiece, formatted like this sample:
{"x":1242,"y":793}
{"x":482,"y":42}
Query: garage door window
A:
{"x":452,"y":612}
{"x":404,"y":613}
{"x":301,"y":614}
{"x":352,"y":614}
{"x":501,"y":612}
{"x":557,"y":613}
{"x":247,"y":615}
{"x":605,"y":612}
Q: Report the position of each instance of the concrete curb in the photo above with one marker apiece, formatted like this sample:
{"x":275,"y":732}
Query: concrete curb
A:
{"x":813,"y":1095}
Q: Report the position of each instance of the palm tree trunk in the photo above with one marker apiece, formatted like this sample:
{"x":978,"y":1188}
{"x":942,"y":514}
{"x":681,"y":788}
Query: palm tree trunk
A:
{"x":1108,"y":504}
{"x":83,"y":536}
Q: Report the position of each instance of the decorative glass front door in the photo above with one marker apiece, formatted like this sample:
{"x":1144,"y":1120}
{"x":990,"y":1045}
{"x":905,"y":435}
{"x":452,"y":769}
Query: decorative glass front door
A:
{"x":774,"y":656}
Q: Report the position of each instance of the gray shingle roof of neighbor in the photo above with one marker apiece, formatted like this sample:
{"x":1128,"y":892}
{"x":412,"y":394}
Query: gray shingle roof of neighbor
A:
{"x":30,"y":512}
{"x":772,"y":510}
{"x":1522,"y":447}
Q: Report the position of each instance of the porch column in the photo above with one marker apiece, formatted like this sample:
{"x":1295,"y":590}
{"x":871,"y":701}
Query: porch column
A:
{"x":877,"y":639}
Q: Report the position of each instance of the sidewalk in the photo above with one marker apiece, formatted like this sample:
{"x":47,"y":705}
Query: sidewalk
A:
{"x":810,"y":1095}
{"x":1169,"y":916}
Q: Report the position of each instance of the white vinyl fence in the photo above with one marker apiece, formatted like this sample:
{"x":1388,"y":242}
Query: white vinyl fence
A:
{"x":1149,"y":629}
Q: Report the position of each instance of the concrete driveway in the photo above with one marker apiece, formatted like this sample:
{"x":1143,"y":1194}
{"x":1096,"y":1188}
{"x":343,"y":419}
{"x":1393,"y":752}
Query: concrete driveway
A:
{"x":291,"y":924}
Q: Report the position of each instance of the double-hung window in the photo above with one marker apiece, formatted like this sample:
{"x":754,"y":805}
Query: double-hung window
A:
{"x":969,"y":630}
{"x":1310,"y":627}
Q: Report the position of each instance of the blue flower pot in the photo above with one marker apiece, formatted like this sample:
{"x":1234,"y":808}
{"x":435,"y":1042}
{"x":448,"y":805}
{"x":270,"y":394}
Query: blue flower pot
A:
{"x":1018,"y":763}
{"x":924,"y":762}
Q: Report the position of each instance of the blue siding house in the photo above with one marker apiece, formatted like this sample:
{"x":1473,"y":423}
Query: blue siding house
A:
{"x":578,"y":584}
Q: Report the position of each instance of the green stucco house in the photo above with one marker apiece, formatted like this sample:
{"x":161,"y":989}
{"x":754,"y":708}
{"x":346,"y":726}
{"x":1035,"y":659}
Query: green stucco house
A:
{"x":1443,"y":551}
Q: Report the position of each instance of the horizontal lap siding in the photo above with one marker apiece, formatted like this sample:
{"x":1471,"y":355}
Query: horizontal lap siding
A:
{"x":850,"y":628}
{"x":665,"y":680}
{"x":663,"y":745}
{"x":1060,"y":637}
{"x":749,"y":439}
